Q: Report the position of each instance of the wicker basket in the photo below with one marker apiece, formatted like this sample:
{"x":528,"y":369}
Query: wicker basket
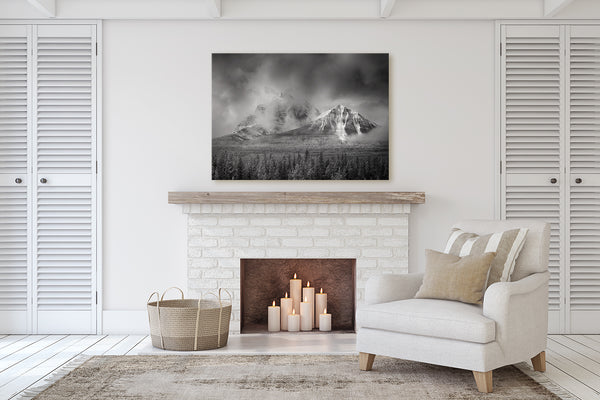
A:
{"x":192,"y":324}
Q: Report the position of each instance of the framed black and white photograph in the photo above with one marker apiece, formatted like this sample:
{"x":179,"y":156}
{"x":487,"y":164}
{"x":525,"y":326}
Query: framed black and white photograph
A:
{"x":300,"y":116}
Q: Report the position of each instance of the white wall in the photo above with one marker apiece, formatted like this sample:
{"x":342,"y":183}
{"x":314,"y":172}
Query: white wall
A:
{"x":157,"y":130}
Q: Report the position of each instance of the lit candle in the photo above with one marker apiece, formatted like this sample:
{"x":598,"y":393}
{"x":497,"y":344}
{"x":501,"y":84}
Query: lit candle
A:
{"x":306,"y":317}
{"x":296,"y":292}
{"x":286,"y":309}
{"x":293,"y":321}
{"x":325,"y":321}
{"x":274,"y":318}
{"x":309,"y":296}
{"x":320,"y":306}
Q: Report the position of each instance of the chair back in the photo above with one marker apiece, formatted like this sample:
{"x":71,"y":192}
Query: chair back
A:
{"x":534,"y":255}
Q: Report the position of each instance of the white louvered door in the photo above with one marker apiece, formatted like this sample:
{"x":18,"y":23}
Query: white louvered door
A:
{"x":64,"y":120}
{"x":48,"y":178}
{"x":583,"y":178}
{"x":550,"y":121}
{"x":15,"y":309}
{"x":531,"y":139}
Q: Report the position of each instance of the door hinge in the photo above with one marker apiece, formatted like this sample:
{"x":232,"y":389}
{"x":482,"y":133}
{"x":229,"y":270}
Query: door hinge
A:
{"x":500,"y":167}
{"x":96,"y":48}
{"x":96,"y":297}
{"x":500,"y":49}
{"x":96,"y":166}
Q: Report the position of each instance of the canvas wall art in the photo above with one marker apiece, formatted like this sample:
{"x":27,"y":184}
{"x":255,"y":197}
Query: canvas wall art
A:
{"x":300,"y":116}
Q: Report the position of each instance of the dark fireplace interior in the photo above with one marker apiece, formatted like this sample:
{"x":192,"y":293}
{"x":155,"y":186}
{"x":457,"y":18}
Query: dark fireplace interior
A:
{"x":264,"y":280}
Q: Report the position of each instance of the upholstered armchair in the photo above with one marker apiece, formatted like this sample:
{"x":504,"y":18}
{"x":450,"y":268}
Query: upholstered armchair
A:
{"x":509,"y":327}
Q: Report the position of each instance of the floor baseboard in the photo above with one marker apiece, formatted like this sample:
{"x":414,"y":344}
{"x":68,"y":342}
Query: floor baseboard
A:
{"x":125,"y":322}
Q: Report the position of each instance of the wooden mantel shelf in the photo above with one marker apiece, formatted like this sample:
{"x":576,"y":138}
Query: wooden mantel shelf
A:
{"x":296,"y":197}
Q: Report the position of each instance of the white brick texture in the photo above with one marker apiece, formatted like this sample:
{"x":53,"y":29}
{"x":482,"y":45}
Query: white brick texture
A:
{"x":219,"y":235}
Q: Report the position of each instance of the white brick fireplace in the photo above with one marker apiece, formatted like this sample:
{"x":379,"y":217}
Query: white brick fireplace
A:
{"x":219,"y":235}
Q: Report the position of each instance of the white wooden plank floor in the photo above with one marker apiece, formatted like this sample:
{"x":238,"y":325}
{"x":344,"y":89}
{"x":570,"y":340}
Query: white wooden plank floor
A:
{"x":573,"y":361}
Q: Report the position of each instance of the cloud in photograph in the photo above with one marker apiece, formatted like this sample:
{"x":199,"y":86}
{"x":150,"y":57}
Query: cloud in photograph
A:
{"x":241,"y":82}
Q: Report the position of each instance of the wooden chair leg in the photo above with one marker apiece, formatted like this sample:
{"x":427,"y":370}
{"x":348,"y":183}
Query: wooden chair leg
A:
{"x":483,"y":381}
{"x":365,"y":361}
{"x":539,"y":362}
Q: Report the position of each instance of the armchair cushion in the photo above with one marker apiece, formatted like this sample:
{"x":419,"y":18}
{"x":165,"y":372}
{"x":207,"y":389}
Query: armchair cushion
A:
{"x":506,"y":244}
{"x":534,"y":254}
{"x":430,"y":317}
{"x":450,"y":277}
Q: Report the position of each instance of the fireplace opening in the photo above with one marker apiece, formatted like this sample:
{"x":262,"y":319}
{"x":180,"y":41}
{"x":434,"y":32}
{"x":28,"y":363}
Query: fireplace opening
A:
{"x":266,"y":280}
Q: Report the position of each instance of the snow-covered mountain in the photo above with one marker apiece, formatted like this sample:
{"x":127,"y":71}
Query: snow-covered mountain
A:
{"x":342,"y":121}
{"x":283,"y":113}
{"x":286,"y":113}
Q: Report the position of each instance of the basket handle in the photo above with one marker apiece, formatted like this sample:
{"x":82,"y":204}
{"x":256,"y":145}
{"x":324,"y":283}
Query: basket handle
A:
{"x":198,"y":320}
{"x":220,"y":317}
{"x":226,"y":291}
{"x":172,"y":287}
{"x":157,"y":297}
{"x":221,"y":314}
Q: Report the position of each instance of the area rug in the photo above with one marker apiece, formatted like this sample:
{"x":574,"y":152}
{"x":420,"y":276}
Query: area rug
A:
{"x":279,"y":377}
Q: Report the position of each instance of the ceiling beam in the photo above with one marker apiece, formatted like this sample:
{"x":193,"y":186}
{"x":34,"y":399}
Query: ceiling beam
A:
{"x":48,"y":7}
{"x":297,"y":10}
{"x":214,"y":8}
{"x":386,"y":7}
{"x":553,"y":7}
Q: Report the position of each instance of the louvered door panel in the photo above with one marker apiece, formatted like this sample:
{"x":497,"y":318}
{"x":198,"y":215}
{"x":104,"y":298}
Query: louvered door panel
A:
{"x":64,"y":99}
{"x":584,"y":255}
{"x":584,"y":179}
{"x":532,"y":89}
{"x":64,"y":252}
{"x":14,"y":74}
{"x":64,"y":243}
{"x":530,"y":196}
{"x":532,"y":101}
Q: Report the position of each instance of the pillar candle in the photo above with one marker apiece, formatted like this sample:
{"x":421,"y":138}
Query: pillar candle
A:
{"x":293,"y":321}
{"x":274,"y":318}
{"x":325,"y":321}
{"x":320,"y":306}
{"x":306,"y":317}
{"x":296,"y":292}
{"x":286,"y":309}
{"x":308,"y":293}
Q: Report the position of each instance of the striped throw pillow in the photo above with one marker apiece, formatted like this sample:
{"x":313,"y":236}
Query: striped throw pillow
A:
{"x":507,"y":245}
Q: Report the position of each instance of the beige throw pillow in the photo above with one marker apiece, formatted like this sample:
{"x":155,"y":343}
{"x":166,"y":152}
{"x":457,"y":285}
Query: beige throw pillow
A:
{"x":450,"y":277}
{"x":507,"y":245}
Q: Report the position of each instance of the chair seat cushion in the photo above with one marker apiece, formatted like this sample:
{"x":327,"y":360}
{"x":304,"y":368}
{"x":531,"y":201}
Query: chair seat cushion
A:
{"x":430,"y":317}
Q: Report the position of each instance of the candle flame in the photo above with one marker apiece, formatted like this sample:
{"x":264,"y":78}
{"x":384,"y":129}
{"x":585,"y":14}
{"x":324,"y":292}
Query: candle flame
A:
{"x":294,"y":275}
{"x":286,"y":295}
{"x":308,"y":284}
{"x":325,"y":311}
{"x":273,"y":303}
{"x":321,"y":290}
{"x":305,"y":299}
{"x":293,"y":311}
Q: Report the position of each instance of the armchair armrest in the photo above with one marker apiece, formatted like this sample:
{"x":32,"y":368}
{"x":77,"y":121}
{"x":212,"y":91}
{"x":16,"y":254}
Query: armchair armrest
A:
{"x":387,"y":287}
{"x":499,"y":292}
{"x":520,"y":310}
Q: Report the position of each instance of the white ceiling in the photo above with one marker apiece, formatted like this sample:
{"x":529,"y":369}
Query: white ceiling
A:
{"x":300,"y":9}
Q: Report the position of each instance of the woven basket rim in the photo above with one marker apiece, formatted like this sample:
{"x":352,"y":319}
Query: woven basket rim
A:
{"x":174,"y":304}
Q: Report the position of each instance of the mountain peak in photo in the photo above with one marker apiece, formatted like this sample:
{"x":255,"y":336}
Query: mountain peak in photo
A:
{"x":342,"y":121}
{"x":282,"y":113}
